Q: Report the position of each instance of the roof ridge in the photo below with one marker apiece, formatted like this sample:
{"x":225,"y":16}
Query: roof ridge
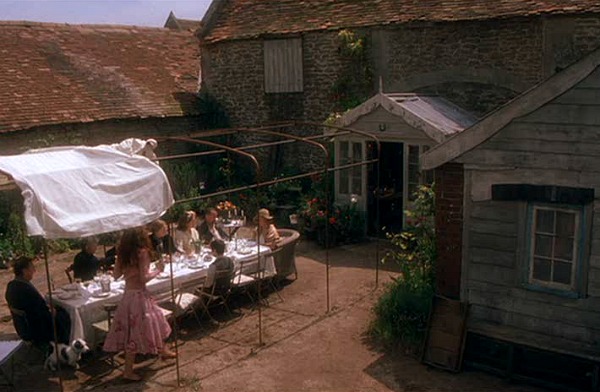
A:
{"x":92,"y":26}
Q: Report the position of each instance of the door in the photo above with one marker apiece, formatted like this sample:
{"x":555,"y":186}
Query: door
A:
{"x":391,"y":188}
{"x":400,"y":177}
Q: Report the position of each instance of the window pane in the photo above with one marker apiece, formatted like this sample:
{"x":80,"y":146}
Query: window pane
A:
{"x":356,"y":185}
{"x":563,"y":248}
{"x":344,"y":157}
{"x":542,"y":269}
{"x":565,"y":224}
{"x":545,"y":221}
{"x":543,"y":245}
{"x":357,"y":152}
{"x":562,"y":272}
{"x":343,"y":186}
{"x":413,"y":155}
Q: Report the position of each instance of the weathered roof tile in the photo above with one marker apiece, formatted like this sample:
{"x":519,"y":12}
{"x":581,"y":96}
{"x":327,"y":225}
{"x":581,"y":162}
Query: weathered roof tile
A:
{"x":52,"y":73}
{"x":239,"y":19}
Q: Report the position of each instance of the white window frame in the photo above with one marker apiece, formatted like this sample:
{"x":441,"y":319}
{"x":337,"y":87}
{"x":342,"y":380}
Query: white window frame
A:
{"x":347,"y":197}
{"x":576,"y":258}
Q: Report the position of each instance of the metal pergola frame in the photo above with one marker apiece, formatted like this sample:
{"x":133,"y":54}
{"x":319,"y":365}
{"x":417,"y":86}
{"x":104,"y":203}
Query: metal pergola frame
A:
{"x":217,"y":148}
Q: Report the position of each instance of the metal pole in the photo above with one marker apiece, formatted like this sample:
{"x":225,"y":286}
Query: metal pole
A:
{"x":377,"y":216}
{"x":244,"y":148}
{"x":52,"y":312}
{"x":175,"y":326}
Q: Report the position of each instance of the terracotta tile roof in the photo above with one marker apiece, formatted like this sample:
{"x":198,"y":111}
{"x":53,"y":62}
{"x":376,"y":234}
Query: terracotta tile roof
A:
{"x":237,"y":19}
{"x":56,"y":73}
{"x":176,"y":23}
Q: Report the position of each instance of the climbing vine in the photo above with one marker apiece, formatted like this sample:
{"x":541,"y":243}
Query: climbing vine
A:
{"x":354,"y":83}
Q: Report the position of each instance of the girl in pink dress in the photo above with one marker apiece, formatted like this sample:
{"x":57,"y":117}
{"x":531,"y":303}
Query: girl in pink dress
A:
{"x":139,"y":326}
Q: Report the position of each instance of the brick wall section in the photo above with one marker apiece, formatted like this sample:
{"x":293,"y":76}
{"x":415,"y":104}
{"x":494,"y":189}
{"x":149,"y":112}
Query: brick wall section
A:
{"x":449,"y":181}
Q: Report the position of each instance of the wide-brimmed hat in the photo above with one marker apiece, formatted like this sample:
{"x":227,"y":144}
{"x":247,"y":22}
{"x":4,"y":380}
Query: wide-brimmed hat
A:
{"x":264,"y":213}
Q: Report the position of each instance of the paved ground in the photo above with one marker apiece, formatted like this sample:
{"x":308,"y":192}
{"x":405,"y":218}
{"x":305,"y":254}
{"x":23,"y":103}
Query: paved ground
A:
{"x":304,"y":347}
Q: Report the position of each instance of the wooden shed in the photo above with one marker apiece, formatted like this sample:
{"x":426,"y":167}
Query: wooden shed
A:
{"x":407,"y":125}
{"x":530,"y":239}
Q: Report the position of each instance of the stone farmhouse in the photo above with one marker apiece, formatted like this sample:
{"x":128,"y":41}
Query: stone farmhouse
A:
{"x":268,"y":61}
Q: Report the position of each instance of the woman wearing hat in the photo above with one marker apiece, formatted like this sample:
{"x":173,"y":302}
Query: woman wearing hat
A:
{"x":268,"y":233}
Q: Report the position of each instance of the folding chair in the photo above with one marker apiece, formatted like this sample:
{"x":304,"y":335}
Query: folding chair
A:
{"x":218,"y":293}
{"x":68,"y":271}
{"x":242,"y":283}
{"x":23,"y":330}
{"x":265,"y":277}
{"x":185,"y":302}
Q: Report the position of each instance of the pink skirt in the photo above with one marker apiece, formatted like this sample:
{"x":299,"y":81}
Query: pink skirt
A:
{"x":138,"y":326}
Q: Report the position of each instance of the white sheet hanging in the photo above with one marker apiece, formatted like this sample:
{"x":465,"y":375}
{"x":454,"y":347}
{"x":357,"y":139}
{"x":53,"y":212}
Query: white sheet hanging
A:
{"x":72,"y":192}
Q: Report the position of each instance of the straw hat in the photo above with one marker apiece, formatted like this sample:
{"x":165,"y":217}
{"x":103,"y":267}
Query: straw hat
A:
{"x":264,"y":213}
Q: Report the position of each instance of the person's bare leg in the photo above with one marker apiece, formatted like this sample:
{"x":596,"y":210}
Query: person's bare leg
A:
{"x":166,"y":352}
{"x":128,"y":373}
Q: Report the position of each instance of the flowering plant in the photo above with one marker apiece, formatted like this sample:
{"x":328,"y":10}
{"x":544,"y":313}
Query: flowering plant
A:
{"x":346,"y":223}
{"x":226,"y":206}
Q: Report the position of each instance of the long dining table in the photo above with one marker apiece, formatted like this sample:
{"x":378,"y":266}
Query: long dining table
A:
{"x":85,"y":302}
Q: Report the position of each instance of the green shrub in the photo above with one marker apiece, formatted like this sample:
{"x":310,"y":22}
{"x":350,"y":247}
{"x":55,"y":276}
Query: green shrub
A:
{"x":402,"y":311}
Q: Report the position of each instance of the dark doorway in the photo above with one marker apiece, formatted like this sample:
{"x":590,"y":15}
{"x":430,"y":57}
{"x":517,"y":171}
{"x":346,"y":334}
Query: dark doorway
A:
{"x":390,"y":190}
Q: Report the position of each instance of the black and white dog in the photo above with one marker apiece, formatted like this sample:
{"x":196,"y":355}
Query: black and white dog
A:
{"x":67,"y":355}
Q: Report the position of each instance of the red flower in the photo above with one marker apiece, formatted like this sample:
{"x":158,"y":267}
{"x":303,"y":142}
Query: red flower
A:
{"x":332,"y":220}
{"x":320,"y":213}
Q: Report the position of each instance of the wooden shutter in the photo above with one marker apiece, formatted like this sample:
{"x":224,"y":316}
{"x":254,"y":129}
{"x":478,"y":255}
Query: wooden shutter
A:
{"x":283,"y":65}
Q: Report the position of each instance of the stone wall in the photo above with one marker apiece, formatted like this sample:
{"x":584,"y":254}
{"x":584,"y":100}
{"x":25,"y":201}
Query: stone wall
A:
{"x":479,"y":65}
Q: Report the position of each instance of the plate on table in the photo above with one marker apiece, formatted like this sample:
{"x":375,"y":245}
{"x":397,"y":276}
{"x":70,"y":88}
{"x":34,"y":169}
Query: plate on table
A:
{"x":244,"y":251}
{"x":100,"y":294}
{"x":163,"y":275}
{"x":196,"y":265}
{"x":65,"y":295}
{"x":208,"y":258}
{"x":71,"y":287}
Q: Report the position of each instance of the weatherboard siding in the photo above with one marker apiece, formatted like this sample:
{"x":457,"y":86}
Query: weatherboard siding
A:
{"x":557,"y":144}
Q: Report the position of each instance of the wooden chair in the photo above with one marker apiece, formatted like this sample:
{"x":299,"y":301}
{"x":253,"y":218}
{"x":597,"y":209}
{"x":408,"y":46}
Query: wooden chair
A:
{"x":68,"y":271}
{"x":266,"y":279}
{"x":218,"y":293}
{"x":242,"y":283}
{"x":23,"y":329}
{"x":183,"y":304}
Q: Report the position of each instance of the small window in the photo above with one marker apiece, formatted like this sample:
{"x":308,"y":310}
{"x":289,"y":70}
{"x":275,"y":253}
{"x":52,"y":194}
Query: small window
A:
{"x":416,"y":176}
{"x":283,"y":65}
{"x":350,"y":179}
{"x":555,"y":241}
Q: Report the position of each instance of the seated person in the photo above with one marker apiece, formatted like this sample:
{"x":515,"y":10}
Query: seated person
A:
{"x":221,"y":263}
{"x":86,"y":264}
{"x":22,"y":295}
{"x":268,"y":233}
{"x":186,"y":236}
{"x":160,"y":238}
{"x":208,"y":229}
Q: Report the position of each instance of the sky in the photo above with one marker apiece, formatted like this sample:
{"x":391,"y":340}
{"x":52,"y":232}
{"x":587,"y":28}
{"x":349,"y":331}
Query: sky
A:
{"x":130,"y":12}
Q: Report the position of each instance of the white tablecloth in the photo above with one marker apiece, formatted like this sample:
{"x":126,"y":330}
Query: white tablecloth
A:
{"x":85,"y":309}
